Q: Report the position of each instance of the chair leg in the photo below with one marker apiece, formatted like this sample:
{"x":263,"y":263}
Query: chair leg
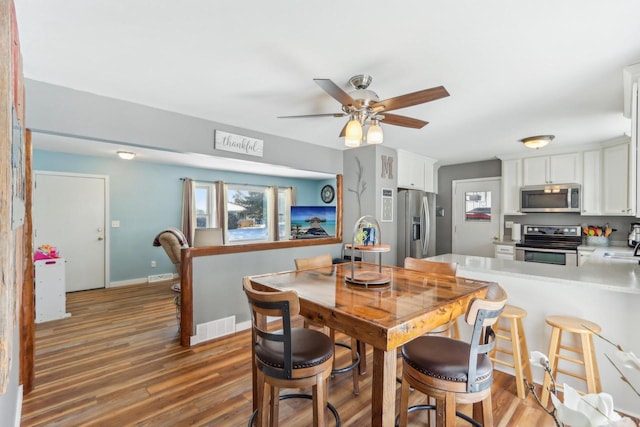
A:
{"x":554,"y":343}
{"x":354,"y":372}
{"x":275,"y":406}
{"x":319,"y":391}
{"x":404,"y":403}
{"x":482,"y":412}
{"x":265,"y":404}
{"x":260,"y":385}
{"x":449,"y":409}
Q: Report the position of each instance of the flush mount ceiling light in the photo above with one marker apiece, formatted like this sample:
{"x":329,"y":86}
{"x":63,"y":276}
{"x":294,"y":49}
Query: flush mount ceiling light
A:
{"x":126,"y":155}
{"x":538,"y":141}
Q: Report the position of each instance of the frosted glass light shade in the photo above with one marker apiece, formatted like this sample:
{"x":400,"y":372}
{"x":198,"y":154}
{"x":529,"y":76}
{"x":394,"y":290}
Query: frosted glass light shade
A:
{"x":374,"y":134}
{"x":353,"y":134}
{"x":537,"y":141}
{"x":126,"y":155}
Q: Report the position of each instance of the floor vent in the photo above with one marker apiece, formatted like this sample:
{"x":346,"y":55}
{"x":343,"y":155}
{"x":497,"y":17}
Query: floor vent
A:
{"x":160,"y":277}
{"x":216,"y":328}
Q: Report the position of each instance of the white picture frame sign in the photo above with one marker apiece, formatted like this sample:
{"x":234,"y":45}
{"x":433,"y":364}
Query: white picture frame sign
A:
{"x":233,"y":143}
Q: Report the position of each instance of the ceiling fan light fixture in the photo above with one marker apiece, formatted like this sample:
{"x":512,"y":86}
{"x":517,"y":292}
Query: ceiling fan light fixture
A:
{"x":374,"y":134}
{"x":353,"y":133}
{"x":538,"y":141}
{"x":126,"y":155}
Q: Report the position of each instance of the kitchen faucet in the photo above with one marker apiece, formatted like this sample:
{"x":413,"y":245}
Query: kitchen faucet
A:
{"x":635,"y":251}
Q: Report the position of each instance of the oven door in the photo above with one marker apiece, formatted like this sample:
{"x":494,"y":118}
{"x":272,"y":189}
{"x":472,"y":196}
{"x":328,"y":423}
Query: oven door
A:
{"x":547,"y":256}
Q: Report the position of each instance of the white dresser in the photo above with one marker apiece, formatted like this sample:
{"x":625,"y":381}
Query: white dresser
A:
{"x":50,"y":289}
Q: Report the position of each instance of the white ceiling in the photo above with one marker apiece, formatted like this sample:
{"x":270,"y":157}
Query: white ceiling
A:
{"x":514,"y":68}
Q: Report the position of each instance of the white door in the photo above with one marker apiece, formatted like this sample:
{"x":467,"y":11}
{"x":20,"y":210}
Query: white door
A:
{"x":476,"y":216}
{"x":69,"y":212}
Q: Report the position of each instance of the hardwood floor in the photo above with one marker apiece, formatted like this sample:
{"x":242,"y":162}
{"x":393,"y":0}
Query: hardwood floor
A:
{"x":117,"y":361}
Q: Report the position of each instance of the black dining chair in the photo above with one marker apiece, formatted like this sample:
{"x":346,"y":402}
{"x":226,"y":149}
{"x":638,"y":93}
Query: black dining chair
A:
{"x":287,"y":358}
{"x":453,"y":371}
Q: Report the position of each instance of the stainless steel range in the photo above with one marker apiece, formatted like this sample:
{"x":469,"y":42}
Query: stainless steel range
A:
{"x":550,"y":244}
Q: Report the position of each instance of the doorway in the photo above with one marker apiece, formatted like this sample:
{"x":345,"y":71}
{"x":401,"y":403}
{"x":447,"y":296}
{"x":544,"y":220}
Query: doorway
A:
{"x":475,"y":216}
{"x":70,"y":213}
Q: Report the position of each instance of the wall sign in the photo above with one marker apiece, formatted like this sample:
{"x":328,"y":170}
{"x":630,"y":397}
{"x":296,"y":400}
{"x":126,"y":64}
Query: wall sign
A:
{"x":226,"y":141}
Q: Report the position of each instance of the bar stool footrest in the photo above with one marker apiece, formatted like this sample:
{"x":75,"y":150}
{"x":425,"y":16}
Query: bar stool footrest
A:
{"x":332,"y":408}
{"x":433,"y":408}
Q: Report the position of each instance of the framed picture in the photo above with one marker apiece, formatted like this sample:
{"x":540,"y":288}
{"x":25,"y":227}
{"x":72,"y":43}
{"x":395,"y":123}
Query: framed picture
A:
{"x":387,"y":205}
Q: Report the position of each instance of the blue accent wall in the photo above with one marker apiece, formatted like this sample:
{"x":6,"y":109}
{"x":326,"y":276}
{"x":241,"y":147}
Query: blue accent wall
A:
{"x":146,"y":198}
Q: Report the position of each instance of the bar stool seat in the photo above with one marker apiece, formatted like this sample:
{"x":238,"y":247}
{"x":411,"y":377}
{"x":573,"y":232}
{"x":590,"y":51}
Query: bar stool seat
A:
{"x":586,"y":355}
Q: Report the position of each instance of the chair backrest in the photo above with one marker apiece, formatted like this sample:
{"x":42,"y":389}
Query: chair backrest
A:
{"x":171,"y":245}
{"x":448,"y":268}
{"x":207,"y":237}
{"x":482,"y":313}
{"x":323,"y":260}
{"x":283,"y":305}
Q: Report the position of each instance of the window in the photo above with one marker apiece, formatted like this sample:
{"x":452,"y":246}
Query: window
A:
{"x":205,"y":205}
{"x":247,"y":213}
{"x":478,"y":206}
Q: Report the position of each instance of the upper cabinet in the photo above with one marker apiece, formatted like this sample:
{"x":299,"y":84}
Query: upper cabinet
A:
{"x":554,"y":169}
{"x":511,"y":183}
{"x":416,"y":172}
{"x":618,"y":197}
{"x":608,"y":181}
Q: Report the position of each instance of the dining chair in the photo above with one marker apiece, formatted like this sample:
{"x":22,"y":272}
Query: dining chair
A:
{"x":449,"y":329}
{"x":321,"y":261}
{"x":287,"y":358}
{"x":453,"y":371}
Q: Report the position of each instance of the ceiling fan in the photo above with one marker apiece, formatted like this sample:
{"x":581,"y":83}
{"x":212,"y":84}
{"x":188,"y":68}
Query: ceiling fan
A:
{"x":363,"y":106}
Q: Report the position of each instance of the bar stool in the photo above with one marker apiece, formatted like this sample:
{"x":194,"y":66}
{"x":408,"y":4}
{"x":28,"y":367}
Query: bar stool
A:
{"x":513,"y":331}
{"x":584,"y":329}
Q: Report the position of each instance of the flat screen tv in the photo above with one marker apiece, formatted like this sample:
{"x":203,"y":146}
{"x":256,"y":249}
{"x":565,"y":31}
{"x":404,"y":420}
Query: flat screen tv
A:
{"x":312,"y":222}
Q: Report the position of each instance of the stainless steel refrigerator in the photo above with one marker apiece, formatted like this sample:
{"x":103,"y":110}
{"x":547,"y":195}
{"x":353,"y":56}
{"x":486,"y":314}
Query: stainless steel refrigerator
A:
{"x":416,"y":224}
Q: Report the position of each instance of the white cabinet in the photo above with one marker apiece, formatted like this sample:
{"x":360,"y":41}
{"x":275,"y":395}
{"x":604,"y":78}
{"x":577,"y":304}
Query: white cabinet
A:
{"x":50,"y":289}
{"x":592,"y":183}
{"x":511,"y":183}
{"x":415,"y":171}
{"x":555,"y":169}
{"x":618,"y":197}
{"x":585,"y":254}
{"x":505,"y":251}
{"x":608,"y":181}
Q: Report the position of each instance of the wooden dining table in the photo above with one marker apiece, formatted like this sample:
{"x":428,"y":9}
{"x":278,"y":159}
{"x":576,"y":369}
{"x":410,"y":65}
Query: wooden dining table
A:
{"x":402,"y":305}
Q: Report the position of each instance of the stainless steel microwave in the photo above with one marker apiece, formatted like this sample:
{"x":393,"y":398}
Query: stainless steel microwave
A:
{"x":550,"y":198}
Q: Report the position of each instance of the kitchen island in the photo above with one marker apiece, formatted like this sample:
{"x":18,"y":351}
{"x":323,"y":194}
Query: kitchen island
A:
{"x":604,"y":291}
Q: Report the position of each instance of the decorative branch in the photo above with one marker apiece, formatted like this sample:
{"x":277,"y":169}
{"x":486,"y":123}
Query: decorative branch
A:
{"x":361,"y":186}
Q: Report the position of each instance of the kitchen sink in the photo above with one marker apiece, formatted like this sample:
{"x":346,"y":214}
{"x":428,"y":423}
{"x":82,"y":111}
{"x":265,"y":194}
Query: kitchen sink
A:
{"x":623,"y":256}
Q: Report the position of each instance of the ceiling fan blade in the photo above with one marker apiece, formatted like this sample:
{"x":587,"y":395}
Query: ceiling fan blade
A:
{"x":313,"y":115}
{"x":334,"y":90}
{"x":408,"y":122}
{"x":343,"y":132}
{"x":415,"y":98}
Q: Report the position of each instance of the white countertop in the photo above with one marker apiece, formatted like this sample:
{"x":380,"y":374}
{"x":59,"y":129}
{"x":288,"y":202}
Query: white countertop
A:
{"x":603,"y":273}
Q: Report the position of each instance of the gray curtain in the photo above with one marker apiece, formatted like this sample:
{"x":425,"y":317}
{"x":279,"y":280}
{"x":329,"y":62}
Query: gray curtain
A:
{"x":221,"y":207}
{"x":188,"y":213}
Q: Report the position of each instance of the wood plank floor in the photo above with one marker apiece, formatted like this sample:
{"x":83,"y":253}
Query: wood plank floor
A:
{"x":117,"y":362}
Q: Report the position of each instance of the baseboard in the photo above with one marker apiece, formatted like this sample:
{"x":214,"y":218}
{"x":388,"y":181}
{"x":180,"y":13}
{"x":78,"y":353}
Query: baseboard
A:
{"x":140,"y":280}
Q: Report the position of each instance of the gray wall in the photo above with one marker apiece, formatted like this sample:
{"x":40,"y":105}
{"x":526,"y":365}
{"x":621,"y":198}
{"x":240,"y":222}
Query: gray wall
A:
{"x":370,"y":158}
{"x":60,"y":110}
{"x":448,"y":174}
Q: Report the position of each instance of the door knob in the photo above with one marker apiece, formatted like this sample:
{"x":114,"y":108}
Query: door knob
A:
{"x":100,"y":238}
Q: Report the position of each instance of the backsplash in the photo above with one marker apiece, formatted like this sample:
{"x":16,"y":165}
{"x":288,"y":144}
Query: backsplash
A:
{"x":619,"y":223}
